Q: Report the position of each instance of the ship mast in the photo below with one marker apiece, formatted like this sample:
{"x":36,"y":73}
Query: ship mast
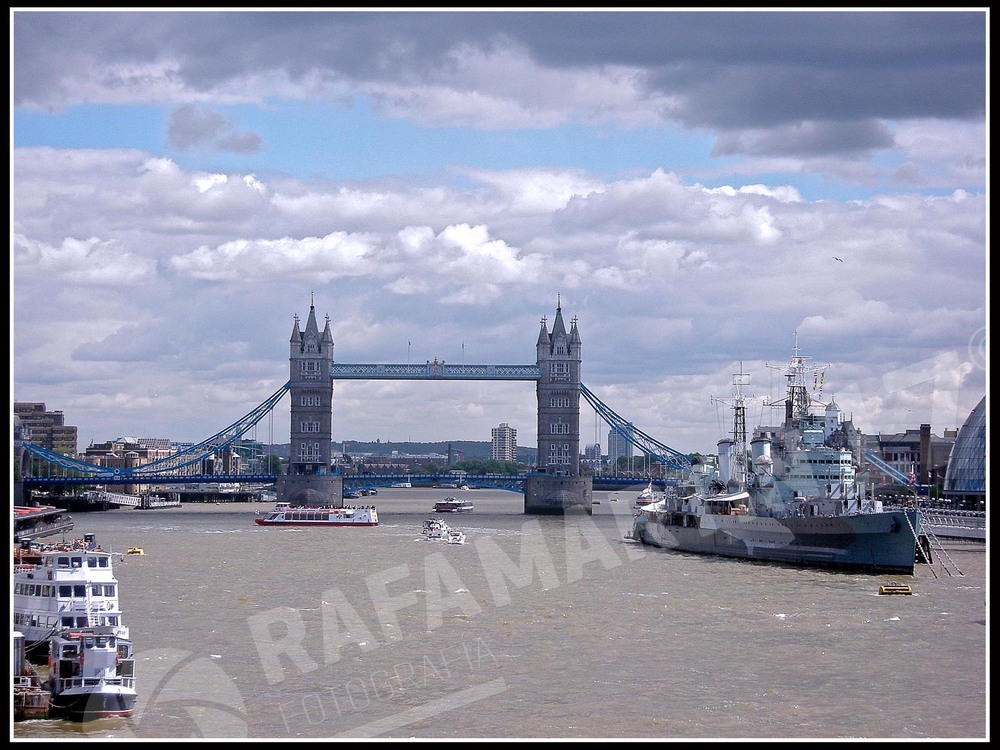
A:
{"x":797,"y":398}
{"x":740,"y":379}
{"x":738,"y":403}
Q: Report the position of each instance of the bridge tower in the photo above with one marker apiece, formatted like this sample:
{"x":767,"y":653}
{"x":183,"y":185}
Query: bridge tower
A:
{"x":556,"y":485}
{"x":309,"y":479}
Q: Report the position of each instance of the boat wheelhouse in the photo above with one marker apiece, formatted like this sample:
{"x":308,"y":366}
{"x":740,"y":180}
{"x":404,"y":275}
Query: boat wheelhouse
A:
{"x":91,"y":674}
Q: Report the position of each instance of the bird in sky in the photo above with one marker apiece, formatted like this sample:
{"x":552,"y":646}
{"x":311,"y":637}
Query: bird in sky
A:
{"x":836,"y":258}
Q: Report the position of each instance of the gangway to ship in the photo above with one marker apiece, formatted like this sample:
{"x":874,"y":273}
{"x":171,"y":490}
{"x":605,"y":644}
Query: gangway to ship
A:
{"x":933,"y":543}
{"x":144,"y":502}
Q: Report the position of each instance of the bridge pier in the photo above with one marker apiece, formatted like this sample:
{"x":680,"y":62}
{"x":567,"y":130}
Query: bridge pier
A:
{"x":551,"y":494}
{"x":311,"y":489}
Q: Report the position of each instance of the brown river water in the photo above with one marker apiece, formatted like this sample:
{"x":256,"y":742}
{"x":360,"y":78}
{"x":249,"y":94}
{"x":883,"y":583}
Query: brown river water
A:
{"x":536,"y":627}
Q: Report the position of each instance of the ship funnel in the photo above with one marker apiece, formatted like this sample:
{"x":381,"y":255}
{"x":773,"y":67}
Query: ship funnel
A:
{"x":760,"y":454}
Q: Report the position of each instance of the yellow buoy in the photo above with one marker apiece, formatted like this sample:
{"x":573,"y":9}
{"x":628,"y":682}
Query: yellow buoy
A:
{"x":135,"y":551}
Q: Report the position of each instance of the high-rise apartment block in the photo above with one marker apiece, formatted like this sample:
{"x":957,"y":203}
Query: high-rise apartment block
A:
{"x":618,"y":446}
{"x":504,"y":443}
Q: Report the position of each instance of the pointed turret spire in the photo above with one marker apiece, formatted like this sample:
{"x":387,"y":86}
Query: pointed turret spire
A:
{"x":312,"y":327}
{"x":558,"y":327}
{"x":543,"y":335}
{"x":574,"y":336}
{"x":327,"y":335}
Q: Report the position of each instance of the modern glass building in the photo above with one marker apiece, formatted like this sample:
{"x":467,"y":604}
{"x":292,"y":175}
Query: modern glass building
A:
{"x":965,"y":479}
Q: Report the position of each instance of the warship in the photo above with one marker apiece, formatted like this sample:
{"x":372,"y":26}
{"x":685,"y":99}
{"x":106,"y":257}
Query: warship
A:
{"x":797,"y":496}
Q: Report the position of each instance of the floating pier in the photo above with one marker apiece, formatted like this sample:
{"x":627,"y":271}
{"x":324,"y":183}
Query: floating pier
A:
{"x":895,"y":588}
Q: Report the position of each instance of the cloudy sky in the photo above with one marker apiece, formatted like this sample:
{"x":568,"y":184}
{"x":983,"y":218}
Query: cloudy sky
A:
{"x":697,"y":189}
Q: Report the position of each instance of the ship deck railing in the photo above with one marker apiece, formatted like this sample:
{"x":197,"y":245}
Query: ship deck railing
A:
{"x":68,"y":683}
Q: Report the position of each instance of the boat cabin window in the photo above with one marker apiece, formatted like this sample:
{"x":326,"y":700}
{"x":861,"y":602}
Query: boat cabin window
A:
{"x":66,"y":622}
{"x":62,"y":562}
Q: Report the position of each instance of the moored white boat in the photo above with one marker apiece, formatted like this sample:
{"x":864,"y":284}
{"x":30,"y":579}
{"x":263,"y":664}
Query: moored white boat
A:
{"x":64,"y":585}
{"x":91,"y":674}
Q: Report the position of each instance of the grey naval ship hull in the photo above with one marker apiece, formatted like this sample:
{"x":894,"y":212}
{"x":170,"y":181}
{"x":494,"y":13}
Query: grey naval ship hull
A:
{"x":871,"y":542}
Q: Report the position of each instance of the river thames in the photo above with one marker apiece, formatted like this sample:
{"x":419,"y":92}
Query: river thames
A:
{"x":537,"y":627}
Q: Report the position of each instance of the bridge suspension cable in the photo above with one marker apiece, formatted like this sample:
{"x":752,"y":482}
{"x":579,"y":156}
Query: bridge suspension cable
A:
{"x":636,"y":437}
{"x":188,"y":456}
{"x":196,"y":453}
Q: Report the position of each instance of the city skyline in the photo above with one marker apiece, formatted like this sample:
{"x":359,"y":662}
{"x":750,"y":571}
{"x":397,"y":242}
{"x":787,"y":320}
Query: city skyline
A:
{"x":701,"y":190}
{"x":612,"y":447}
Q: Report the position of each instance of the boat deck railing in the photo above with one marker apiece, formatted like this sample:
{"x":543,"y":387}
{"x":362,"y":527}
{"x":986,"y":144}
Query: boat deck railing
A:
{"x":68,"y":683}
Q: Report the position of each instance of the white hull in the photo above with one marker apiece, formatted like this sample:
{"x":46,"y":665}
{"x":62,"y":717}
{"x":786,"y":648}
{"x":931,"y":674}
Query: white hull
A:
{"x":284,"y":515}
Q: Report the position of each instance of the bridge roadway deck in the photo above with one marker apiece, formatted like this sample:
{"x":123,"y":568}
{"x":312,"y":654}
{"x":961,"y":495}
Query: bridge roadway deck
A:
{"x":502,"y":481}
{"x":433,"y":370}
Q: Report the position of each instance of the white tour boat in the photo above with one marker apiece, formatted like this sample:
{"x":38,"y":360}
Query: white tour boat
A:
{"x":63,"y":585}
{"x":453,"y":505}
{"x":285,"y":514}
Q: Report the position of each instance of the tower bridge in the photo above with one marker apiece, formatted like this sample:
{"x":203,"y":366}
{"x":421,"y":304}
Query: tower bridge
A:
{"x":555,"y":486}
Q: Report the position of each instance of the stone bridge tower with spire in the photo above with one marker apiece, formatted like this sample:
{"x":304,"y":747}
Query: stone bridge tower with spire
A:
{"x":310,"y":479}
{"x":556,"y":485}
